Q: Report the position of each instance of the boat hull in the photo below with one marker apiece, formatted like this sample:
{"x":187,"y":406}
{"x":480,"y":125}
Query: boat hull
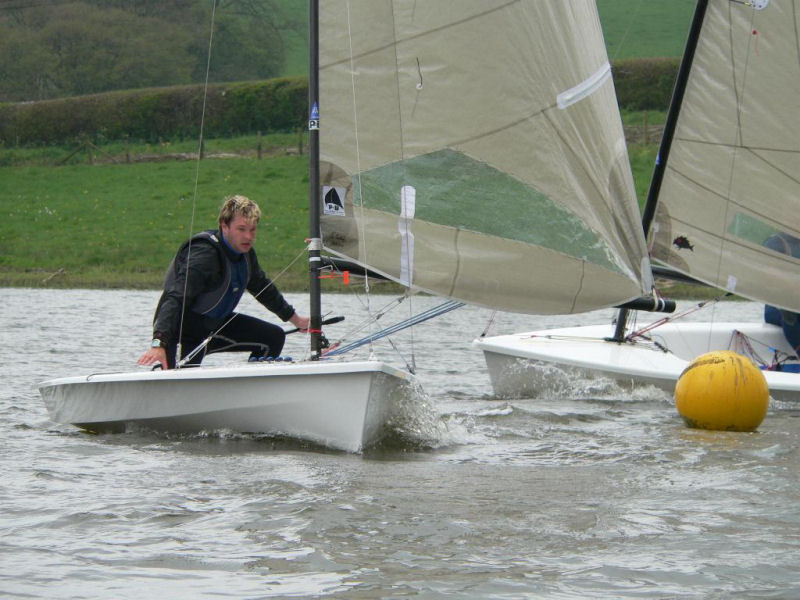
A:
{"x":341,"y":405}
{"x":528,"y":364}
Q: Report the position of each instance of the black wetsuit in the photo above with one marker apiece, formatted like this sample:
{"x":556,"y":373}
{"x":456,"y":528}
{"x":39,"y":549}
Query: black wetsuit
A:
{"x":217,"y":279}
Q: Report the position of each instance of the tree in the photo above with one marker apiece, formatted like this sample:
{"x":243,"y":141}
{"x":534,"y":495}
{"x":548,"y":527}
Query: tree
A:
{"x":241,"y":51}
{"x":26,"y":67}
{"x":55,"y":49}
{"x":112,"y":49}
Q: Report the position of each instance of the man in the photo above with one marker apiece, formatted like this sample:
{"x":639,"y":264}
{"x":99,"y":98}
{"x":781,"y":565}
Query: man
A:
{"x":205,"y":282}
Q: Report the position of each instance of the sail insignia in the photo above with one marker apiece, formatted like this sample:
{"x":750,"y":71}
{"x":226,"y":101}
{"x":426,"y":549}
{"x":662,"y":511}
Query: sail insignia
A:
{"x":332,"y":203}
{"x":682,"y":243}
{"x":313,"y":119}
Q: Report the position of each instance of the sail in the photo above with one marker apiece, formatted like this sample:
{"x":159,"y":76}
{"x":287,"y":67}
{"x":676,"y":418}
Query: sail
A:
{"x":728,"y":212}
{"x":474,"y":150}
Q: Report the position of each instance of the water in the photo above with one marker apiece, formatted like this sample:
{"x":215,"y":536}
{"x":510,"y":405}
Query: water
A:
{"x":596,"y":495}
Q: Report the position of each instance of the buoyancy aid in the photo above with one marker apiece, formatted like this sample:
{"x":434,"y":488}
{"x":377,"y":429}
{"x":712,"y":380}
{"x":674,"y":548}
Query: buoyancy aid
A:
{"x":211,"y":301}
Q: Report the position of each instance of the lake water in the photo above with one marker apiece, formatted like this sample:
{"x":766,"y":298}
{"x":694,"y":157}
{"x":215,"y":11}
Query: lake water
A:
{"x":598,"y":494}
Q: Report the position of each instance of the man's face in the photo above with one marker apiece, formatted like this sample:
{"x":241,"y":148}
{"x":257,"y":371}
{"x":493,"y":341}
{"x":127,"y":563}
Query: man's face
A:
{"x":240,"y":233}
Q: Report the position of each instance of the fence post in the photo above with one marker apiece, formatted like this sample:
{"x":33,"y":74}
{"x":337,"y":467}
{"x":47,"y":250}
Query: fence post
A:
{"x":645,"y":128}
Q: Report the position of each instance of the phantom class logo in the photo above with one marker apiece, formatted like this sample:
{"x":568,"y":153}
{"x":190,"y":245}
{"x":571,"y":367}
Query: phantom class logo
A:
{"x":332,"y":201}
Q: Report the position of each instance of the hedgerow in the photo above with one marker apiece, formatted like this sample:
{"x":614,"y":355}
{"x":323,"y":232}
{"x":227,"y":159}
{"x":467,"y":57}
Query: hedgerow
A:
{"x":150,"y":115}
{"x":274,"y":105}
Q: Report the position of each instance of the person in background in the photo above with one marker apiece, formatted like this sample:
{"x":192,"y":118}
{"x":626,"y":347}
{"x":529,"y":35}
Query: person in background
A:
{"x":789,"y":321}
{"x":203,"y":286}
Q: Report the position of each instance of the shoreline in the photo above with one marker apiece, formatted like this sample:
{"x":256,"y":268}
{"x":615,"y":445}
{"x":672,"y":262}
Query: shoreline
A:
{"x":291,"y":282}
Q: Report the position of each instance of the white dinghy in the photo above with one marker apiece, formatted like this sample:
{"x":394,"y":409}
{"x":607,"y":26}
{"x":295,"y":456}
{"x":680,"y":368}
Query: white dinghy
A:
{"x":332,"y":402}
{"x":546,"y":361}
{"x":434,"y":119}
{"x":341,"y":405}
{"x":726,"y":181}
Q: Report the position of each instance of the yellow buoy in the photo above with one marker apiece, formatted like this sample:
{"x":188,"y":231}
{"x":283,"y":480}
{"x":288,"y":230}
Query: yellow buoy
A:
{"x":722,"y":390}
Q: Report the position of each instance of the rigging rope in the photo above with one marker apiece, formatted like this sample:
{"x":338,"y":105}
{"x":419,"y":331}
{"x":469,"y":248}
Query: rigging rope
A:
{"x":624,"y":39}
{"x":489,"y":324}
{"x":196,"y":179}
{"x":358,"y":195}
{"x":362,"y":234}
{"x":640,"y":332}
{"x":415,"y":320}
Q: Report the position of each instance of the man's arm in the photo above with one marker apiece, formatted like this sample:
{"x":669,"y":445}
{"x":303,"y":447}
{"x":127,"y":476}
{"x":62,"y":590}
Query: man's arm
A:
{"x":182,"y":289}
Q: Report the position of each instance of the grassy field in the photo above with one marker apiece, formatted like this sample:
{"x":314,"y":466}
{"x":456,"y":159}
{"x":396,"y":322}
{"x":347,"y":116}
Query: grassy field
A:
{"x":118,"y":225}
{"x":645,"y":28}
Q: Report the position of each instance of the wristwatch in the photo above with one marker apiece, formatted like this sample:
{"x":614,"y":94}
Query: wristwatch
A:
{"x":156,"y":343}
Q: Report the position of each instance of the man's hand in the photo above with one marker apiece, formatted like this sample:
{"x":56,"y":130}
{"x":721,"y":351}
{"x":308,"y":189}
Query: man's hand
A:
{"x":300,"y":322}
{"x":153,"y":356}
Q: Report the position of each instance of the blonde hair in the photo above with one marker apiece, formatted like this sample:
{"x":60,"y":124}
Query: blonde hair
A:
{"x":234,"y":206}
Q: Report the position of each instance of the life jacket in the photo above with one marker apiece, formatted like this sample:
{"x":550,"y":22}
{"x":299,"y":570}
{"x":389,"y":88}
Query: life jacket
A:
{"x":210,"y":300}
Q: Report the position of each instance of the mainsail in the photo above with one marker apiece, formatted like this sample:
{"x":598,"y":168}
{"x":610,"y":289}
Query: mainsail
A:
{"x":732,"y":177}
{"x":474,"y":150}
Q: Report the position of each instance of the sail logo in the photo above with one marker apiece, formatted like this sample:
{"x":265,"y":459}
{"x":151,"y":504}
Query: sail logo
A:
{"x":332,"y":200}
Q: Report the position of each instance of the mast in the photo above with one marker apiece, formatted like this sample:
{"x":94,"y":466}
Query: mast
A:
{"x":672,"y":115}
{"x":666,"y":139}
{"x":315,"y":241}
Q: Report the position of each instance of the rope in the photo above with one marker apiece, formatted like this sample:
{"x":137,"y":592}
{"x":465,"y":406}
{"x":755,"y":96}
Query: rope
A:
{"x":660,"y":322}
{"x":361,"y":231}
{"x":624,"y":39}
{"x":359,"y":200}
{"x":489,"y":324}
{"x":196,"y":179}
{"x":746,"y":345}
{"x":415,"y":320}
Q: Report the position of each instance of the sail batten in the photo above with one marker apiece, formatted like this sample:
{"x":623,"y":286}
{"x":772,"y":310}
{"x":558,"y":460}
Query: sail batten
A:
{"x":520,"y":204}
{"x":579,"y":92}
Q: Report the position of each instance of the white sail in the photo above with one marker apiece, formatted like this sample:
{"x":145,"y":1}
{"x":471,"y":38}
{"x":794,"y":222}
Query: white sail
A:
{"x":732,"y":178}
{"x":474,"y":150}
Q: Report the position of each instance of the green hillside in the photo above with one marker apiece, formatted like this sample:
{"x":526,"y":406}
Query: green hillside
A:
{"x":645,"y":28}
{"x":296,"y":44}
{"x":632,"y":28}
